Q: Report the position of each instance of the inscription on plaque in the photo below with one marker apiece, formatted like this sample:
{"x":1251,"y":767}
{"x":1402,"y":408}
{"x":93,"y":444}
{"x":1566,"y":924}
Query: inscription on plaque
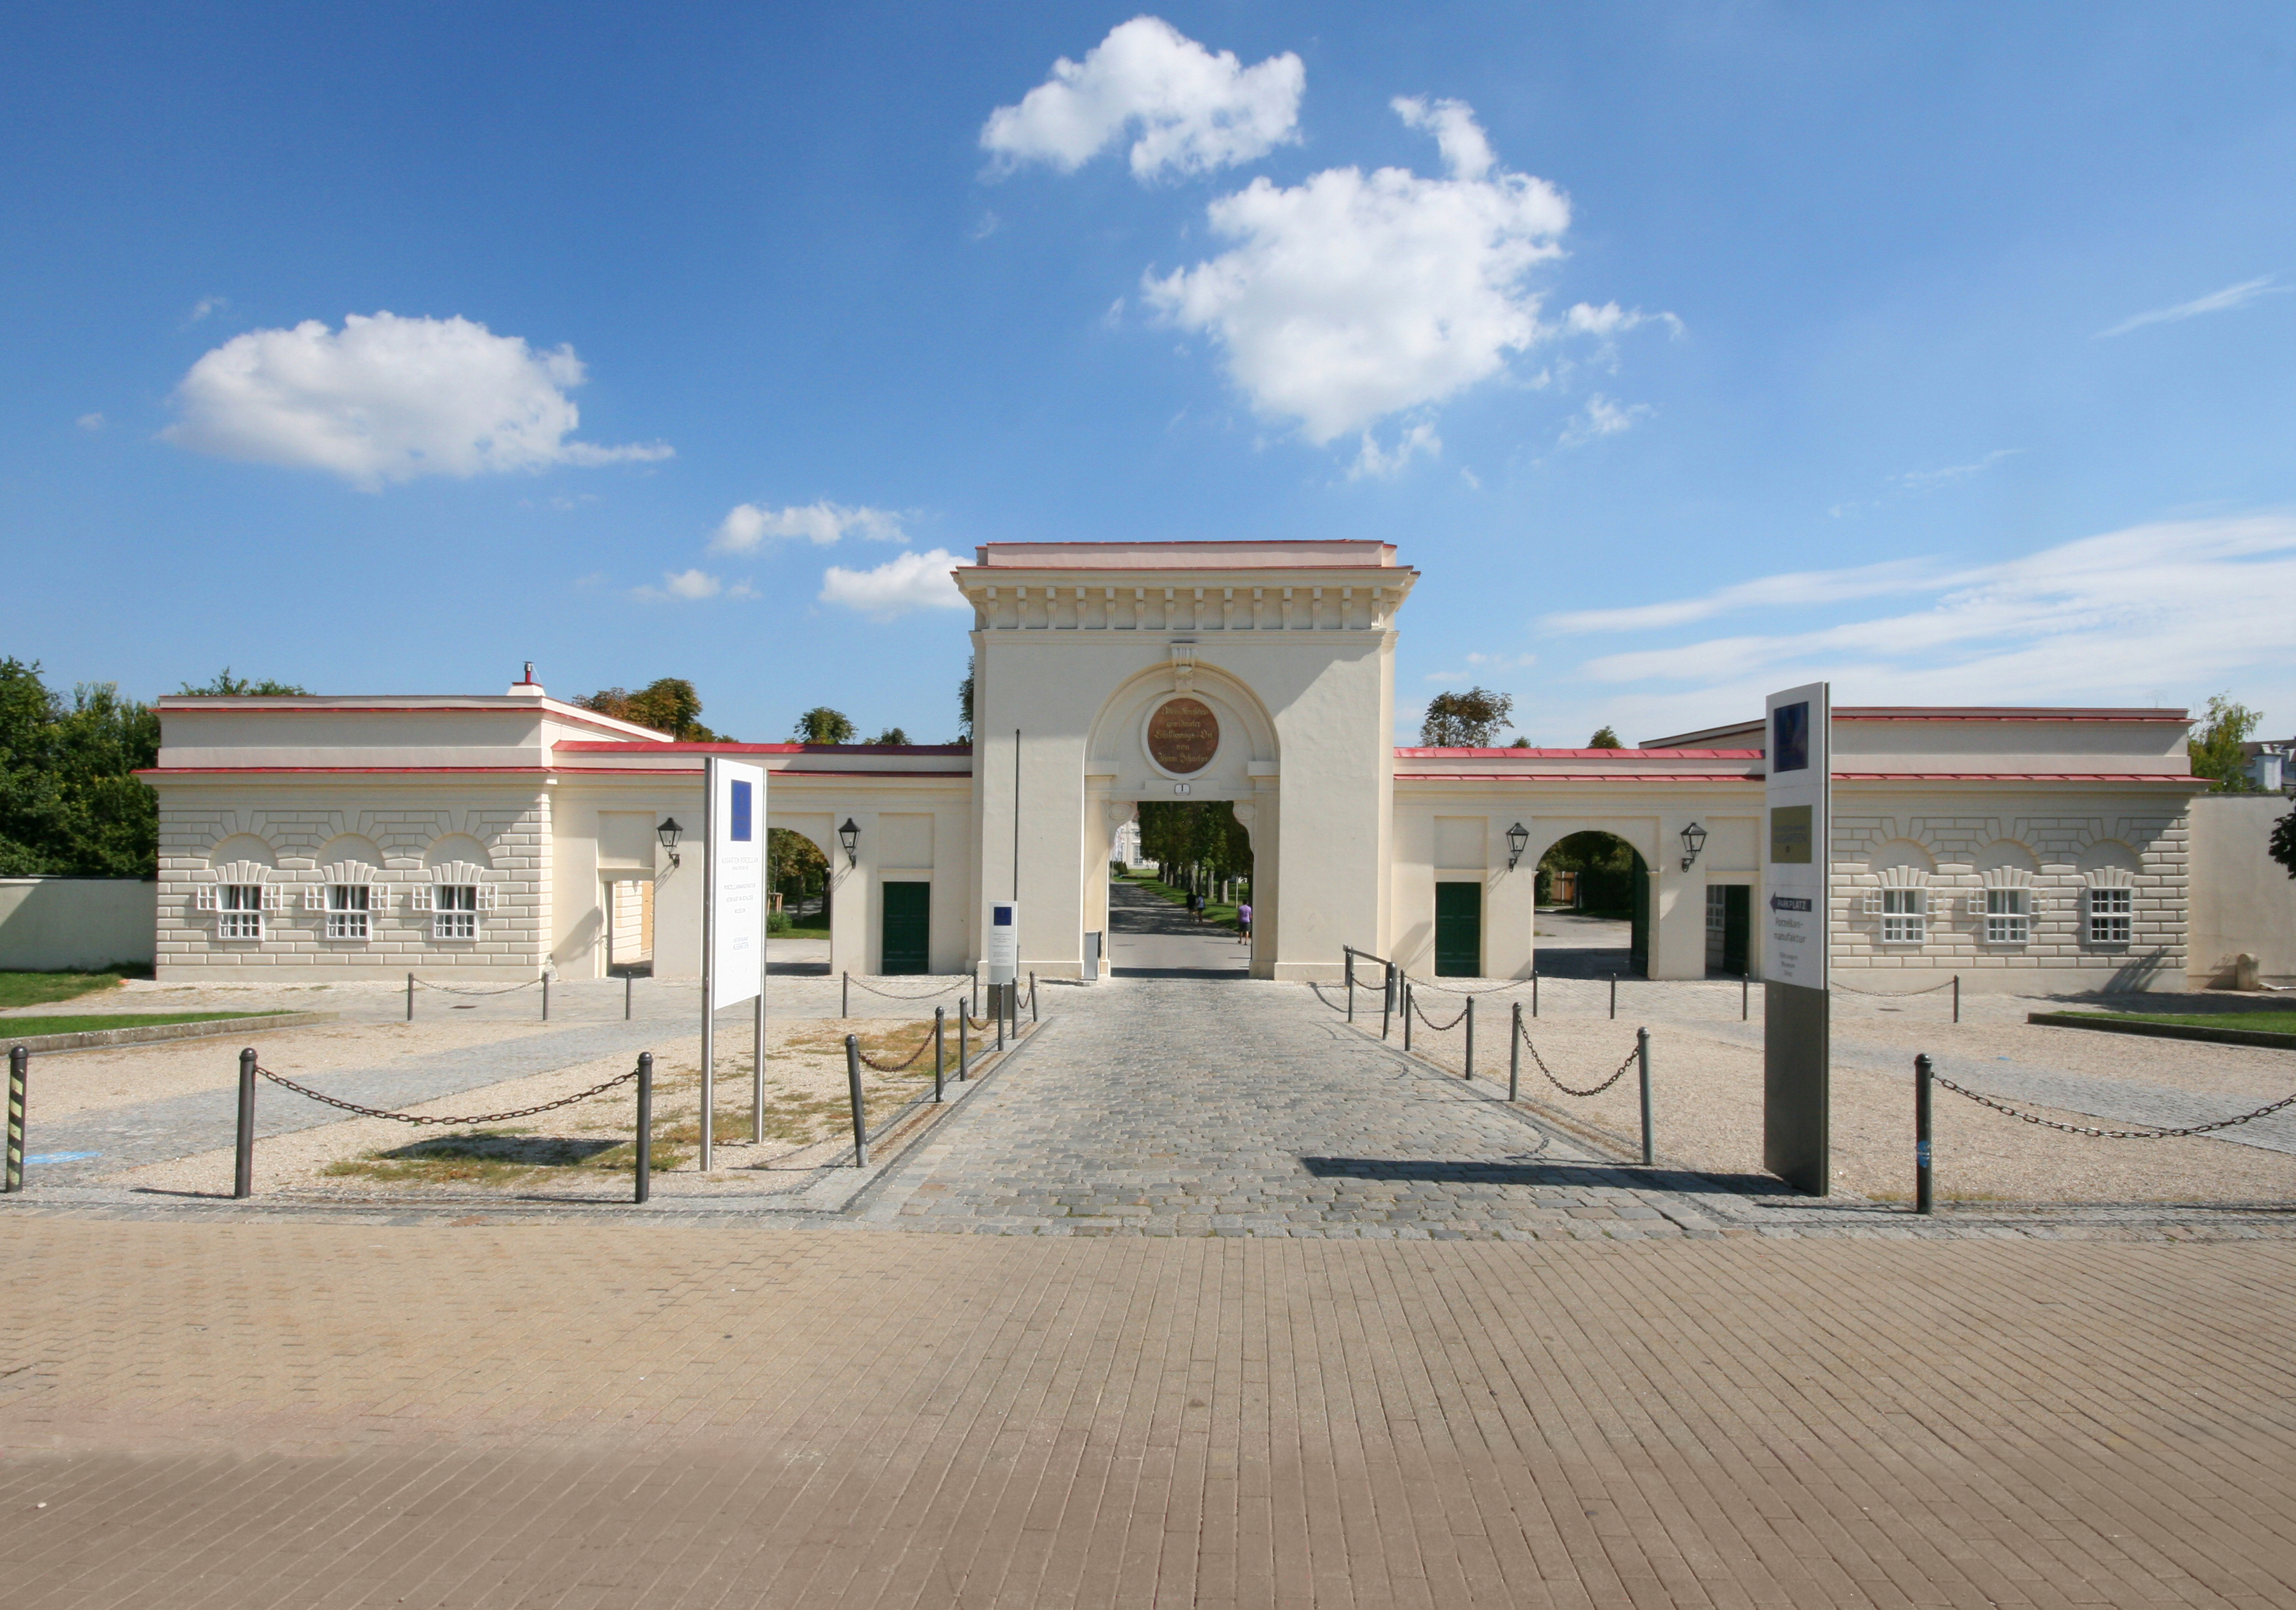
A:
{"x":1183,"y":735}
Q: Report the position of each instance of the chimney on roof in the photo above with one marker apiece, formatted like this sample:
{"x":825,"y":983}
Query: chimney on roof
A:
{"x":526,"y":685}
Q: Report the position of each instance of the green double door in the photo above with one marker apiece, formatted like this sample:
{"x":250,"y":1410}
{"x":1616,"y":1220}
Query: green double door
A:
{"x":1458,"y":930}
{"x":907,"y":928}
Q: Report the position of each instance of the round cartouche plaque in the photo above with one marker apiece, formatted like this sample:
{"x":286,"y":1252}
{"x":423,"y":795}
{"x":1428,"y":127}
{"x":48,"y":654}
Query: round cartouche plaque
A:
{"x":1182,"y":736}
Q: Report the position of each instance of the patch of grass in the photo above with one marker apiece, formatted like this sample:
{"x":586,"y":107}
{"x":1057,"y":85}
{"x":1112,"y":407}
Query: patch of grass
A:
{"x":2263,"y":1019}
{"x":800,"y":933}
{"x":88,"y":1022}
{"x":496,"y":1157}
{"x":38,"y":989}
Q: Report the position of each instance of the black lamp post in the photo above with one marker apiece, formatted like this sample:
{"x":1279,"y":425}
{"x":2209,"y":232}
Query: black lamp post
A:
{"x":1518,"y":838}
{"x":849,"y":835}
{"x":669,"y":833}
{"x":1694,"y":840}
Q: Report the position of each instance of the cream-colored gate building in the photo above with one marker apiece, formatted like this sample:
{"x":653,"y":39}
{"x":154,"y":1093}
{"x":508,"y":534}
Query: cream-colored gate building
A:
{"x":514,"y":833}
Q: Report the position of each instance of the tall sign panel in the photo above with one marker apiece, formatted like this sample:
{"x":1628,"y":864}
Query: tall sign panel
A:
{"x":732,"y":918}
{"x":1796,"y":864}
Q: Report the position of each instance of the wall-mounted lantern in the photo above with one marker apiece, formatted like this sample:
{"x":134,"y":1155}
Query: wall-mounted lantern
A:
{"x":1518,"y":838}
{"x":849,"y":835}
{"x":1694,"y":840}
{"x":669,"y":833}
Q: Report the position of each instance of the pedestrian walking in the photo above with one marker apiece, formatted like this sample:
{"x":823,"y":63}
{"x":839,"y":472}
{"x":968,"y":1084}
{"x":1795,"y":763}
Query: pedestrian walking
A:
{"x":1243,"y":922}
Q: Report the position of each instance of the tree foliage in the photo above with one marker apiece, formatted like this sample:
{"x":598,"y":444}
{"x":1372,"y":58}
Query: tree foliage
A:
{"x":794,"y":863}
{"x":822,"y":725}
{"x":2284,"y":842}
{"x":891,"y":735}
{"x":2215,"y":750}
{"x":227,"y":686}
{"x":669,"y":705}
{"x":70,"y":804}
{"x":1472,"y":720}
{"x":1606,"y":737}
{"x":964,"y":704}
{"x":1191,"y":834}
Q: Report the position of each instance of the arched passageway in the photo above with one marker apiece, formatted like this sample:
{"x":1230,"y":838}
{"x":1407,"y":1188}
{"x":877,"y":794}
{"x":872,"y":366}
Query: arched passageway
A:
{"x":1593,"y":908}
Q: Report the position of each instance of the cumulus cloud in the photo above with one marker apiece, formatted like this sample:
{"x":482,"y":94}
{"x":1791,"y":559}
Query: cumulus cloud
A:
{"x":2216,"y":301}
{"x":1371,"y":460}
{"x":747,"y":525}
{"x":688,"y":585}
{"x":1192,"y":110}
{"x":1602,"y":417}
{"x":904,"y":583}
{"x":387,"y":400}
{"x":2107,"y":619}
{"x":1353,"y":296}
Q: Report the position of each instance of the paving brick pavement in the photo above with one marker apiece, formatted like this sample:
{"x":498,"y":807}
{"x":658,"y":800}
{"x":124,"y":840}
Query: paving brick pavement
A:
{"x":292,"y":1413}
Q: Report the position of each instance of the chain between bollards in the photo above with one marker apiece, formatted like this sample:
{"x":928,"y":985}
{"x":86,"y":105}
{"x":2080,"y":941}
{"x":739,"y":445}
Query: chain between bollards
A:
{"x":853,"y":1088}
{"x":242,"y":1178}
{"x":1642,"y":1056}
{"x":1514,"y":1052}
{"x":1924,"y":1200}
{"x":20,"y":1075}
{"x":645,"y":1186}
{"x":940,"y":1048}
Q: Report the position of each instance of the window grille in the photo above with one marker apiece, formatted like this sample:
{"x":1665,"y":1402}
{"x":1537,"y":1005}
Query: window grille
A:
{"x":1904,"y":917}
{"x":2008,"y":917}
{"x":239,"y":910}
{"x":348,"y":908}
{"x":2111,"y":912}
{"x":455,"y":910}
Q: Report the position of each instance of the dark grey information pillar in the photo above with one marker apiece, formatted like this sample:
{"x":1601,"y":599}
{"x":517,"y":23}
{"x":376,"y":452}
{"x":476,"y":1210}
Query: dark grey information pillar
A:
{"x":1797,"y":1098}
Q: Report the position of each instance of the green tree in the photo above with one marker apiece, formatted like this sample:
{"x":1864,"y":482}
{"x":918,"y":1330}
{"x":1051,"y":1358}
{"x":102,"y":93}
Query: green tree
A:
{"x":70,"y":803}
{"x":2215,"y":750}
{"x":1465,"y":720}
{"x":1606,"y":737}
{"x":668,"y":705}
{"x":964,"y":704}
{"x":822,"y":725}
{"x":227,"y":686}
{"x":2284,"y":842}
{"x":891,"y":735}
{"x":794,"y":863}
{"x":1186,"y":837}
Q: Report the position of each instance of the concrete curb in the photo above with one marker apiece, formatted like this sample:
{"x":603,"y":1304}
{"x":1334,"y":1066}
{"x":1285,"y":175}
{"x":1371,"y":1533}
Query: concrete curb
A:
{"x":150,"y":1033}
{"x":2165,"y":1030}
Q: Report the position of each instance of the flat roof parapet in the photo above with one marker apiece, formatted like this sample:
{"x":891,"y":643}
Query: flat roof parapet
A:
{"x":1334,"y":553}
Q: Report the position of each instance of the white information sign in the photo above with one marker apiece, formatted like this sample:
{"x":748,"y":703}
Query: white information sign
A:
{"x":1004,"y":942}
{"x":1798,"y":835}
{"x":736,"y":938}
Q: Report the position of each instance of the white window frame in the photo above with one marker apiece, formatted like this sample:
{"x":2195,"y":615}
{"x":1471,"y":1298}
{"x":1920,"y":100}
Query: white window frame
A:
{"x":1905,"y":916}
{"x":350,"y":912}
{"x":2111,"y":915}
{"x":454,"y":912}
{"x":2009,"y":916}
{"x":239,"y":912}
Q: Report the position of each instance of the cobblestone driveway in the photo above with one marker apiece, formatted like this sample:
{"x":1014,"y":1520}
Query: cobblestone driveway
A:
{"x":1171,"y":1107}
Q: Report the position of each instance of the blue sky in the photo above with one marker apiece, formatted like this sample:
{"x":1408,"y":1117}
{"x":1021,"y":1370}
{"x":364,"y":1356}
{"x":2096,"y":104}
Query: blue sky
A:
{"x":1687,"y":349}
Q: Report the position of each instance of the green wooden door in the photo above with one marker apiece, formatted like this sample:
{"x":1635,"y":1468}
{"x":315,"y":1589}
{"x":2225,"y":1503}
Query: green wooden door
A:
{"x":908,"y":927}
{"x":1458,"y":930}
{"x":1638,"y":950}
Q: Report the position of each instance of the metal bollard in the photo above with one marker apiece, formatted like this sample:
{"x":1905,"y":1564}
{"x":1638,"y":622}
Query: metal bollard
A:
{"x":1745,"y":989}
{"x":997,"y":1000}
{"x":628,"y":981}
{"x":940,"y":1045}
{"x":1924,"y":1200}
{"x":545,"y":997}
{"x":1351,"y":982}
{"x":1514,"y":1052}
{"x":645,"y":1186}
{"x":976,"y":992}
{"x":1386,"y":1000}
{"x":1957,"y":997}
{"x":964,"y":1023}
{"x":1469,"y":1073}
{"x":1534,"y":992}
{"x":845,"y":995}
{"x":19,"y":1073}
{"x":242,"y":1178}
{"x":1642,"y":1055}
{"x":1032,"y":1001}
{"x":1614,"y":997}
{"x":1405,"y":989}
{"x":410,"y":997}
{"x":860,"y":1113}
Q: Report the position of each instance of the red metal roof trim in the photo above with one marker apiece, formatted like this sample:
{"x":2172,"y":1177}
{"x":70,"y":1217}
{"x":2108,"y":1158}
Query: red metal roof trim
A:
{"x":1403,"y":753}
{"x":1578,"y":777}
{"x":587,"y":747}
{"x":2121,"y":777}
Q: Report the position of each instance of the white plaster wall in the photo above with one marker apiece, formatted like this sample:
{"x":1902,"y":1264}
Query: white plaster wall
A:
{"x":59,"y":924}
{"x":2242,"y":901}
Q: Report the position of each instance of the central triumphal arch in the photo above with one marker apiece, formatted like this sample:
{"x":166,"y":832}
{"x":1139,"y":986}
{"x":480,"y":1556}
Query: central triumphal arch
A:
{"x":1259,"y":673}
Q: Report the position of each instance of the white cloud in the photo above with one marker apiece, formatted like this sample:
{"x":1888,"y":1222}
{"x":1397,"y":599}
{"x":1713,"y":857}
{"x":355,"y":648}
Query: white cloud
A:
{"x":92,"y":422}
{"x":1602,"y":417}
{"x":1795,"y":590}
{"x":685,"y":585}
{"x":747,"y":525}
{"x":1372,"y":461}
{"x":1928,"y":480}
{"x":1192,"y":111}
{"x":388,"y":399}
{"x":2216,"y":301}
{"x":906,"y":581}
{"x":1350,"y":297}
{"x":2194,"y":606}
{"x":207,"y":306}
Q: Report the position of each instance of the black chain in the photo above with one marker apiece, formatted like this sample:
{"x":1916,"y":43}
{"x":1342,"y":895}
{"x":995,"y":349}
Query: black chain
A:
{"x":377,"y":1112}
{"x":1889,"y":995}
{"x":1440,"y":1028}
{"x":447,"y":989}
{"x":1540,"y":1062}
{"x":964,"y":981}
{"x":895,"y":1068}
{"x":2114,"y":1134}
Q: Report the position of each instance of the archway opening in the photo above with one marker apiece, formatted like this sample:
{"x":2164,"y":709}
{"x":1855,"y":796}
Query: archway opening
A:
{"x":1593,"y":908}
{"x":1187,"y":913}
